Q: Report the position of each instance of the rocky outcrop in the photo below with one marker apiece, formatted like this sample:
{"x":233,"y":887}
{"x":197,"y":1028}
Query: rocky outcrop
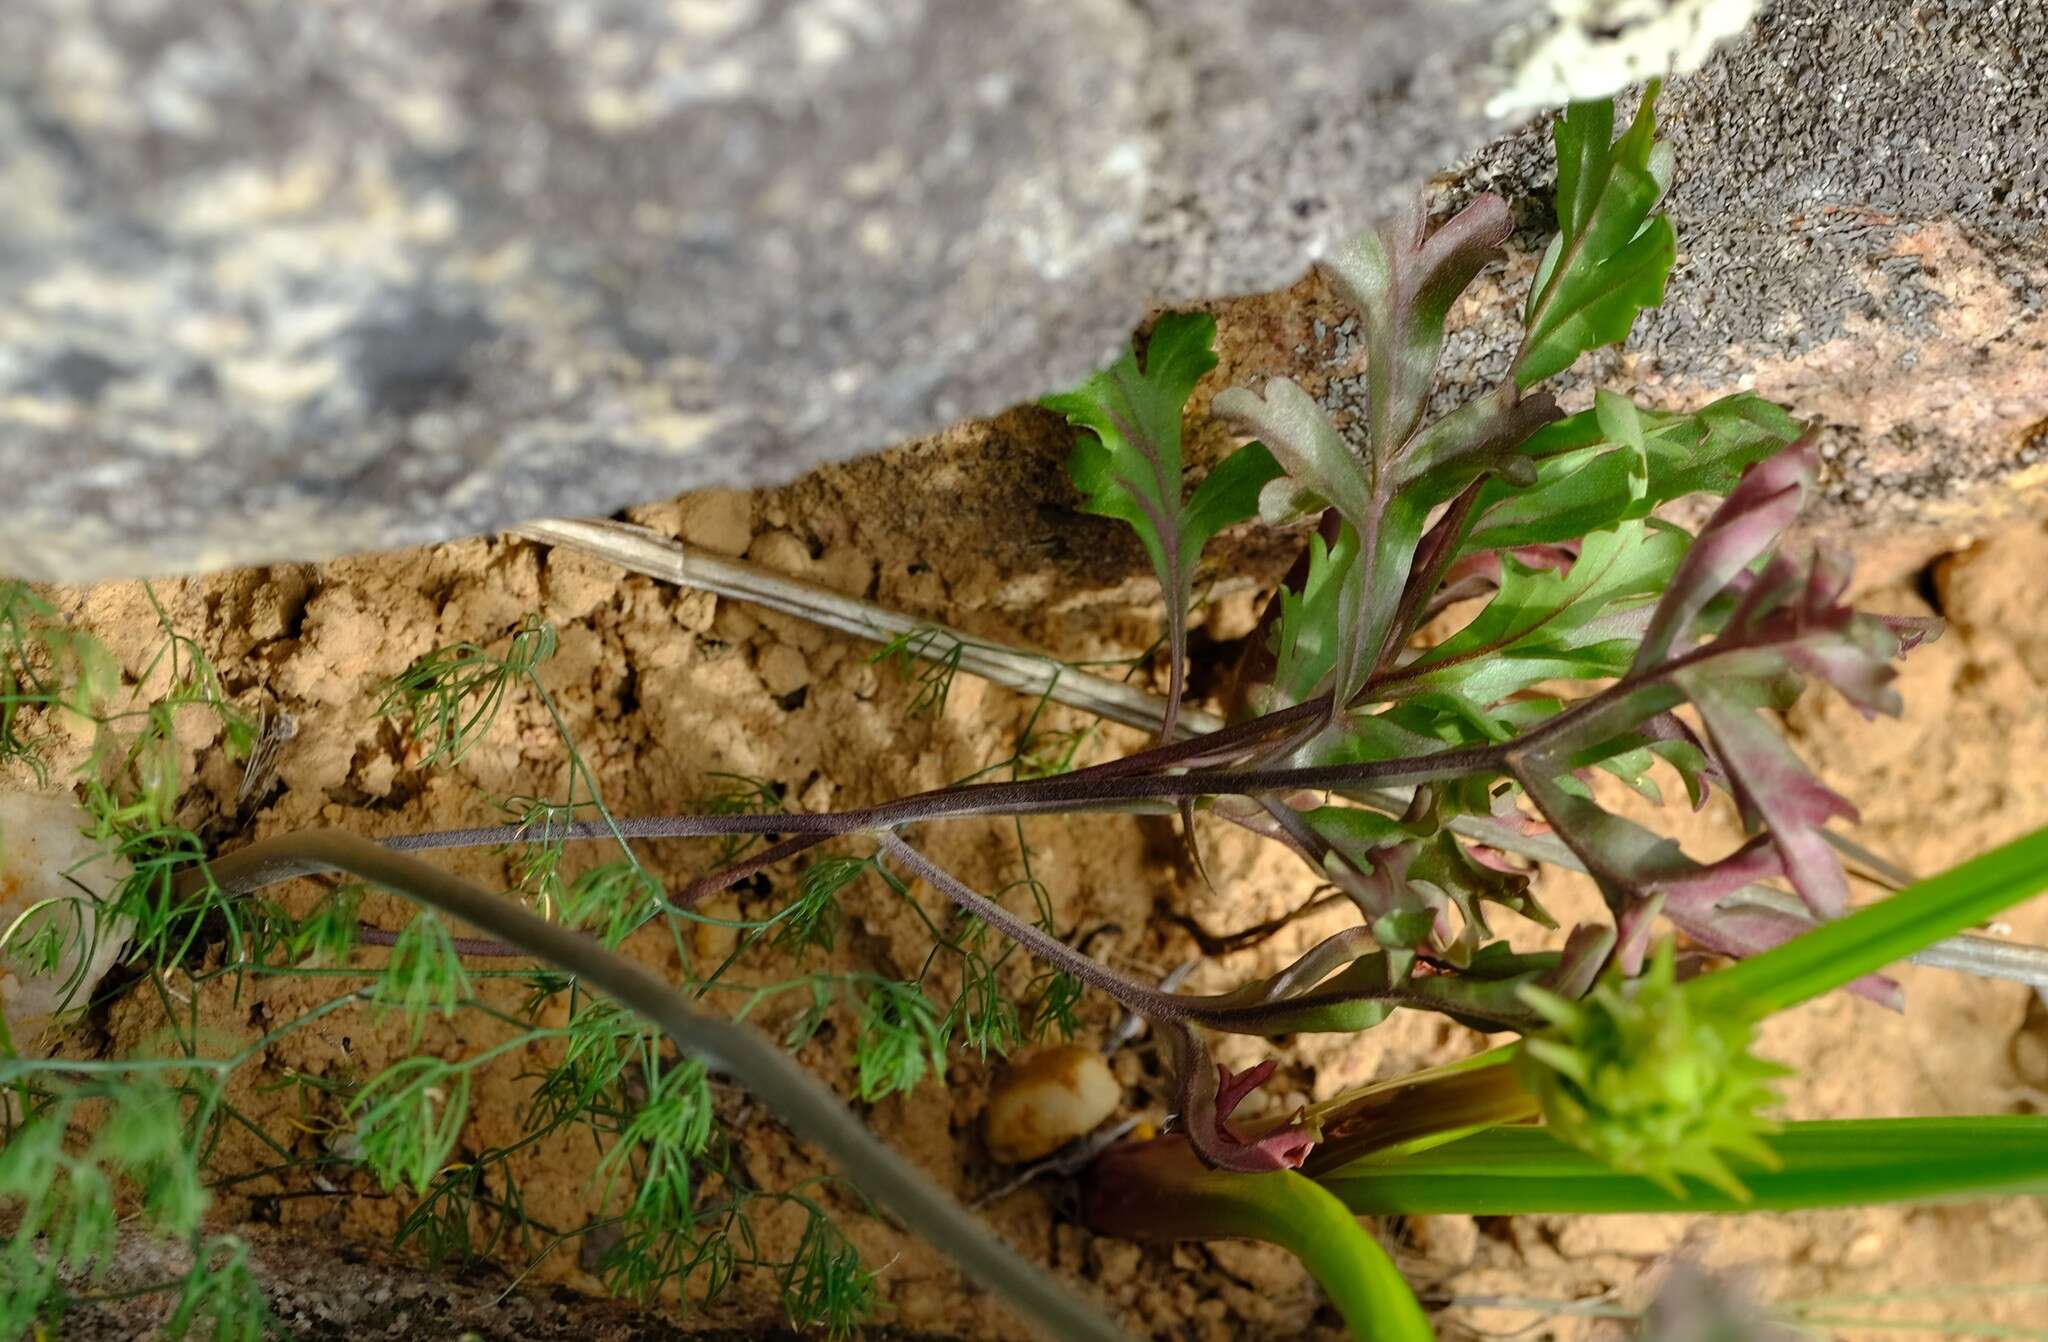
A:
{"x":1862,"y":209}
{"x":285,"y":281}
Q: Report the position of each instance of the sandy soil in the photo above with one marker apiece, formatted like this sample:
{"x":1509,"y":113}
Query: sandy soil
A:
{"x":663,"y":689}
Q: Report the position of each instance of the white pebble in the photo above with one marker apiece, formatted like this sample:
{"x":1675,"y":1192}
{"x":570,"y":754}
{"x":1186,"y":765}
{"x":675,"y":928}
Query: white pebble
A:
{"x":45,"y":860}
{"x":1047,"y":1099}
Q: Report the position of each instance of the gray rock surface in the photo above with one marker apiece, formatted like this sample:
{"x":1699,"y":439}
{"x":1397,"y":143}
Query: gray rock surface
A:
{"x":284,"y":280}
{"x":1862,"y":209}
{"x":287,"y":280}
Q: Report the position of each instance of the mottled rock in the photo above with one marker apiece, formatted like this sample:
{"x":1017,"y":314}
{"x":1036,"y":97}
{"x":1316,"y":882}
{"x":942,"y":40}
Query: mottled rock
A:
{"x":1862,"y":211}
{"x":289,"y":280}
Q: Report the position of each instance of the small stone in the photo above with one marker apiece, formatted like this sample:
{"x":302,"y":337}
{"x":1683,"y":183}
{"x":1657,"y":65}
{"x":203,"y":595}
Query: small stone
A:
{"x":45,"y":860}
{"x":846,"y":570}
{"x":2029,"y":1052}
{"x":1866,"y":1249}
{"x":1046,"y":1099}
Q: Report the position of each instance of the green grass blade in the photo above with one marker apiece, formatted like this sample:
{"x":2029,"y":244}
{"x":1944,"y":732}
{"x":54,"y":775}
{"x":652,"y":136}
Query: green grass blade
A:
{"x":1839,"y":1163}
{"x":1158,"y":1190}
{"x":1881,"y":934}
{"x":1362,"y":1281}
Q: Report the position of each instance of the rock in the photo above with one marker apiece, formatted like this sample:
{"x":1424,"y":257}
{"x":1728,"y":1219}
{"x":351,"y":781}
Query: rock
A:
{"x":293,"y":280}
{"x":1860,"y":204}
{"x":46,"y":861}
{"x":286,"y":281}
{"x":1046,"y":1099}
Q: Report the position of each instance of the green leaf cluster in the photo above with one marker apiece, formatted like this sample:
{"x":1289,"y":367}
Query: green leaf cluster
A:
{"x":1612,"y":253}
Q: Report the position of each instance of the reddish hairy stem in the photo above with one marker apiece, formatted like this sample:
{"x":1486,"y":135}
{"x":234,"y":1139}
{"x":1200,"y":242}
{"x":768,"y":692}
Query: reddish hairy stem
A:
{"x":1227,"y":744}
{"x":1035,"y":796}
{"x":1224,"y":1012}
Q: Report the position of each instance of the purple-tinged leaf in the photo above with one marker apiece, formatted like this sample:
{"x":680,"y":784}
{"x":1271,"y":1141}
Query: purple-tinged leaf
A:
{"x":1210,"y":1094}
{"x":1773,"y":785}
{"x":1637,"y":869}
{"x":1819,"y":636}
{"x":1673,"y":740}
{"x":1741,"y":530}
{"x":1913,"y":630}
{"x":1480,"y":436}
{"x":1402,"y":281}
{"x":1321,"y":467}
{"x":1787,"y":620}
{"x":1643,"y":874}
{"x":1586,"y":951}
{"x":1445,"y":870}
{"x":1743,"y":930}
{"x":1127,"y":464}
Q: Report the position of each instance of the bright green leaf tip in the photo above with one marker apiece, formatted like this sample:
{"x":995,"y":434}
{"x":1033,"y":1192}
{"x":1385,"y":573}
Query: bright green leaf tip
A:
{"x":1640,"y":1077}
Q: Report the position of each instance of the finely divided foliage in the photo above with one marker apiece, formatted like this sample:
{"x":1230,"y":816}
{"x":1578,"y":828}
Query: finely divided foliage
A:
{"x":1573,"y":635}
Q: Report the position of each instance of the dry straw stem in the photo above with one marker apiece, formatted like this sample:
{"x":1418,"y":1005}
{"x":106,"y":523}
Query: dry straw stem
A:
{"x":639,"y":550}
{"x":642,"y":551}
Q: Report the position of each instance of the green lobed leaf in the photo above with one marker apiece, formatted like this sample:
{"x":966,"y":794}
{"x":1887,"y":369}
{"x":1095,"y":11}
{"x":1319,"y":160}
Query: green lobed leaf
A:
{"x":1581,"y":624}
{"x":1229,"y":494}
{"x":1127,"y":462}
{"x":1586,"y":480}
{"x":1305,"y":640}
{"x":1127,"y":465}
{"x":1402,"y":281}
{"x":1610,"y":257}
